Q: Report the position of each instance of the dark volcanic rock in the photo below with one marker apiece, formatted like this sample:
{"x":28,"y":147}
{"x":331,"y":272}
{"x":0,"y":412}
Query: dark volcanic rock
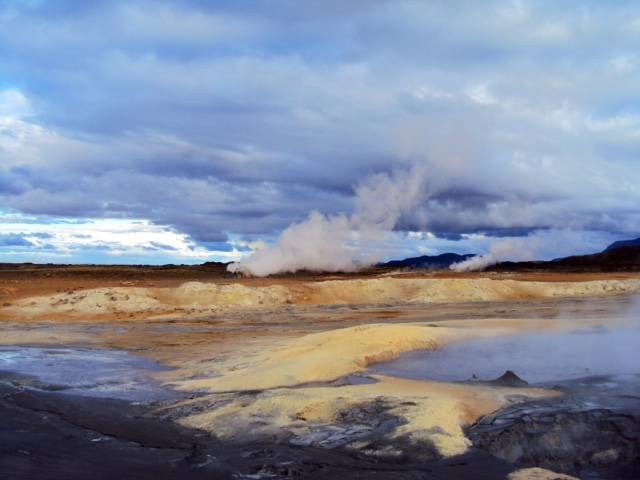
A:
{"x":564,"y":440}
{"x":509,"y":379}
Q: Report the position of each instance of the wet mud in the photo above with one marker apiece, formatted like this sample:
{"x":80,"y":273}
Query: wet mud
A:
{"x":56,"y":436}
{"x":592,"y":430}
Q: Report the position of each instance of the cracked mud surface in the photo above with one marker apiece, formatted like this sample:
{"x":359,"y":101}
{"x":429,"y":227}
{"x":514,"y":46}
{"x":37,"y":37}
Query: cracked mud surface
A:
{"x":593,"y":430}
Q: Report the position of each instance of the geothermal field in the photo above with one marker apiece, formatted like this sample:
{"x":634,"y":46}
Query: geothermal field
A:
{"x":319,"y":240}
{"x":189,"y":372}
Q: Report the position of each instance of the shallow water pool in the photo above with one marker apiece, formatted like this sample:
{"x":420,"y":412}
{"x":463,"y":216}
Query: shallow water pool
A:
{"x":537,"y":357}
{"x":89,"y":372}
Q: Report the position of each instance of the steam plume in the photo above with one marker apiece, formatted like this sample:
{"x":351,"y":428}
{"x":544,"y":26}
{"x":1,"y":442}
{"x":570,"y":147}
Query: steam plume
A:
{"x":541,"y":243}
{"x":514,"y":249}
{"x":332,"y":243}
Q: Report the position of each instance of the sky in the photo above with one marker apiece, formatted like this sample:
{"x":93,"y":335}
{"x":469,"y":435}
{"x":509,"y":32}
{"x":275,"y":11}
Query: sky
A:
{"x":187,"y":131}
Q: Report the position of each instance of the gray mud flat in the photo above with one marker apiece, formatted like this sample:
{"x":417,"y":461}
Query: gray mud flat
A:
{"x":55,"y":436}
{"x":47,"y":435}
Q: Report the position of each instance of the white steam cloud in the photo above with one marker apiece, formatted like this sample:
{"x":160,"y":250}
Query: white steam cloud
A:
{"x":332,"y":243}
{"x":513,"y":249}
{"x":538,"y":245}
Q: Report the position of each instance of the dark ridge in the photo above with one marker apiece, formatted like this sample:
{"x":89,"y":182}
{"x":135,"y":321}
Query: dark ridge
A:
{"x":619,"y":259}
{"x":429,"y":262}
{"x":623,"y":243}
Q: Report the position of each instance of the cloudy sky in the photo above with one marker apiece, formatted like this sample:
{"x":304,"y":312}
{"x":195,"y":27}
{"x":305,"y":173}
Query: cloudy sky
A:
{"x":184,"y":131}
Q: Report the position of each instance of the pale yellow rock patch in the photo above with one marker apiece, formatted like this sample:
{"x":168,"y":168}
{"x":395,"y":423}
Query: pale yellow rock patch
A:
{"x":325,"y":356}
{"x":538,"y":474}
{"x":433,"y":412}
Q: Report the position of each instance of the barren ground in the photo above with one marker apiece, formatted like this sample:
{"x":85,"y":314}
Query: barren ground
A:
{"x":265,"y":357}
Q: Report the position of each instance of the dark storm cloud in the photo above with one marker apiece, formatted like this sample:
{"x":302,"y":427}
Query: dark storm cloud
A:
{"x":223,"y":118}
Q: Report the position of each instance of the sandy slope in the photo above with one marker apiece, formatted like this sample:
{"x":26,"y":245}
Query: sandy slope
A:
{"x":197,"y":298}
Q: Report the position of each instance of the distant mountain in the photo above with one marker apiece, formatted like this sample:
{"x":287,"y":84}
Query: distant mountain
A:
{"x":215,"y":264}
{"x":623,"y":243}
{"x":444,"y":260}
{"x":618,"y":259}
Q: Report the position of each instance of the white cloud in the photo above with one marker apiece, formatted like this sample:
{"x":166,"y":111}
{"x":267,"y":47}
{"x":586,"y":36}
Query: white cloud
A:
{"x":110,"y":237}
{"x":480,"y":94}
{"x":14,"y":104}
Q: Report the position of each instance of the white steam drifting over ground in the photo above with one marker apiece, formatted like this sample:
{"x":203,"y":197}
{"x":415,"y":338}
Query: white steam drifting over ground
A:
{"x":512,"y":249}
{"x":535,"y":246}
{"x":343,"y":243}
{"x":332,"y":243}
